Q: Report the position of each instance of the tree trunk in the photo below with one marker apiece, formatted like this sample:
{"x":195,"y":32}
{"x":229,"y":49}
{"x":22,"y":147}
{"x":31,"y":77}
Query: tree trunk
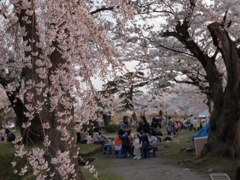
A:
{"x":55,"y":134}
{"x":106,"y":119}
{"x":62,"y":146}
{"x":35,"y":134}
{"x":224,"y":123}
{"x":134,"y":117}
{"x":210,"y":102}
{"x":58,"y":116}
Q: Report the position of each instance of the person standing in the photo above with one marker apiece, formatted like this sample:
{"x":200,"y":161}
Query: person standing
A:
{"x":169,"y":126}
{"x":199,"y":124}
{"x":144,"y":125}
{"x":152,"y":139}
{"x":191,"y":123}
{"x":143,"y":143}
{"x":2,"y":133}
{"x":155,"y":122}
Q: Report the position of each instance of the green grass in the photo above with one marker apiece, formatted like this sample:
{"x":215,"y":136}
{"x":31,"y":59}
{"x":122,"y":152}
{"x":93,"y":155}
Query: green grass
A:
{"x":102,"y":176}
{"x":102,"y":163}
{"x":219,"y":164}
{"x":7,"y":156}
{"x":172,"y":151}
{"x":17,"y":132}
{"x":87,"y":149}
{"x":113,"y":134}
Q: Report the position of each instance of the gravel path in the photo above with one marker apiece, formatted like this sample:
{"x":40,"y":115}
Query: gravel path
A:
{"x":152,"y":169}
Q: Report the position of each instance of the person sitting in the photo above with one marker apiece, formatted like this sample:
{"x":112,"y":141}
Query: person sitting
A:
{"x":90,"y":138}
{"x":10,"y":136}
{"x":143,"y":143}
{"x":125,"y":125}
{"x":143,"y":125}
{"x":121,"y":143}
{"x":136,"y":141}
{"x":97,"y":138}
{"x":83,"y":137}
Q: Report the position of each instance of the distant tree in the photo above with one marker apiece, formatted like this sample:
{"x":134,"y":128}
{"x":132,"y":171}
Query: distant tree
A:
{"x":126,"y":86}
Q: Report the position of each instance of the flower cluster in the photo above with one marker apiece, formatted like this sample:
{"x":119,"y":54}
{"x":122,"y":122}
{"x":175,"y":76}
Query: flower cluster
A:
{"x":63,"y":165}
{"x":58,"y":48}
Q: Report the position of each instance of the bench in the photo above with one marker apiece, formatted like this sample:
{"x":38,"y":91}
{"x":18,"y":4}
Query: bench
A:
{"x":107,"y":149}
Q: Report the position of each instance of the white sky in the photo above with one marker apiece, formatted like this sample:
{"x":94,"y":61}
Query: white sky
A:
{"x":130,"y":66}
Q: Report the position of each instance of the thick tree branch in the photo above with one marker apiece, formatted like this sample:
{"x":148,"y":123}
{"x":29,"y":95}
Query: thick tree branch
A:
{"x":229,"y":52}
{"x":104,"y":8}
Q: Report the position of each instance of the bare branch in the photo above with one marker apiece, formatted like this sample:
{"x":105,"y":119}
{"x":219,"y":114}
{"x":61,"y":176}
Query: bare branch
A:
{"x":104,"y":8}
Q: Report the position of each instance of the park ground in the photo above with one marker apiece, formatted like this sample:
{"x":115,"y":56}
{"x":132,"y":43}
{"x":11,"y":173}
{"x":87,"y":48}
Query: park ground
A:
{"x":170,"y":163}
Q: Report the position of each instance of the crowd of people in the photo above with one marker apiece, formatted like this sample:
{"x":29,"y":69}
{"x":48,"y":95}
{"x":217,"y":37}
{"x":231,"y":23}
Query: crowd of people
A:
{"x":147,"y":134}
{"x":145,"y":137}
{"x":125,"y":138}
{"x":6,"y":135}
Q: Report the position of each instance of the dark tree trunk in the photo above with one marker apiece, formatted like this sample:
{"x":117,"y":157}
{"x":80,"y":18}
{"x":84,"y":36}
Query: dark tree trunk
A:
{"x":224,"y":123}
{"x":106,"y":119}
{"x":57,"y":145}
{"x":53,"y":118}
{"x":35,"y":134}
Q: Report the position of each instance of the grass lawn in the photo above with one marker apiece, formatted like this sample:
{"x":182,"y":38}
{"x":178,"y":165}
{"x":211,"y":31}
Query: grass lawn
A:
{"x":113,"y":134}
{"x":101,"y":163}
{"x":7,"y":155}
{"x":172,"y":151}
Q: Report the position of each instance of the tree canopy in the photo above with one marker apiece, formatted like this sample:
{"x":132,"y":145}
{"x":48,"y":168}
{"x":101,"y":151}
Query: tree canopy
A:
{"x":50,"y":50}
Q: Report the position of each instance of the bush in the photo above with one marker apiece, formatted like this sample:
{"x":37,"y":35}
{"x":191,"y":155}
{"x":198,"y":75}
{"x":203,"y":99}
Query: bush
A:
{"x":111,"y":128}
{"x":89,"y":127}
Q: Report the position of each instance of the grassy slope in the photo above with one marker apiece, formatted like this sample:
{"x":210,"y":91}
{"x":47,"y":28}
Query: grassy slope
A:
{"x":172,"y":151}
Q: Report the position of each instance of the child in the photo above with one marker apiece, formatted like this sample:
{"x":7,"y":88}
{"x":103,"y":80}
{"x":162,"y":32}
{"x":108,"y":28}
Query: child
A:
{"x":175,"y":129}
{"x":143,"y":143}
{"x":152,"y":139}
{"x":120,"y":142}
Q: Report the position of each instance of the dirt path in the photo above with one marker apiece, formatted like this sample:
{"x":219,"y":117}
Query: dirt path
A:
{"x":151,"y":169}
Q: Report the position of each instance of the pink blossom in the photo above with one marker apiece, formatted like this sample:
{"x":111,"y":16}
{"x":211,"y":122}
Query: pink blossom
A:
{"x":45,"y":125}
{"x":13,"y":163}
